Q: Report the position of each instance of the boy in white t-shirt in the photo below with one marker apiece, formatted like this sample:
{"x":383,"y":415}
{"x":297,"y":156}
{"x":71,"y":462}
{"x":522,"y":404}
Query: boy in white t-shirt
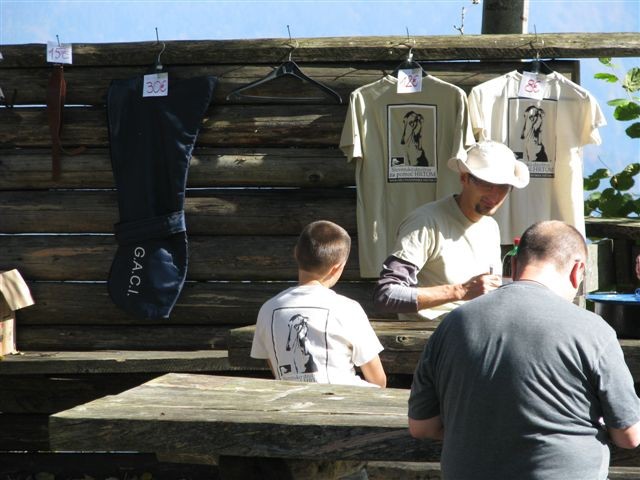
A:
{"x":308,"y":332}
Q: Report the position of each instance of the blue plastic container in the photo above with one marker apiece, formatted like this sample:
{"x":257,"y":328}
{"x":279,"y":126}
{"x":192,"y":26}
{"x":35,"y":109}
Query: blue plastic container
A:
{"x":620,"y":310}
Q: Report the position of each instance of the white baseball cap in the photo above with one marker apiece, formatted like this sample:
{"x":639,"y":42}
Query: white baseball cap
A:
{"x":492,"y":162}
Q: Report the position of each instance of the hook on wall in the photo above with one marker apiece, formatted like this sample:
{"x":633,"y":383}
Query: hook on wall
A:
{"x":293,"y":47}
{"x":158,"y":62}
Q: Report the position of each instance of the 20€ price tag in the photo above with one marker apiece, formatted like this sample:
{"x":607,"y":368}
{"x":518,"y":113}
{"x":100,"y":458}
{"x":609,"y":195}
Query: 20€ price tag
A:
{"x":532,"y":85}
{"x":155,"y":85}
{"x":409,"y":80}
{"x":59,"y":53}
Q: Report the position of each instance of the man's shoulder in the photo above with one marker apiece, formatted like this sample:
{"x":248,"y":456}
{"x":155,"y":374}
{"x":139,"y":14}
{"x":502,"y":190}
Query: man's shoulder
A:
{"x":429,"y":211}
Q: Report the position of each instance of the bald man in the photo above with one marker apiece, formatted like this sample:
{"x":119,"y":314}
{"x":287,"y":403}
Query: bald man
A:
{"x":520,"y":382}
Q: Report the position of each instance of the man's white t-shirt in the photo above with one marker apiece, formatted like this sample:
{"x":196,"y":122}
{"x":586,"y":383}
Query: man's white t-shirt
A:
{"x":312,"y":334}
{"x":447,"y":248}
{"x":401,"y":143}
{"x":548,"y":135}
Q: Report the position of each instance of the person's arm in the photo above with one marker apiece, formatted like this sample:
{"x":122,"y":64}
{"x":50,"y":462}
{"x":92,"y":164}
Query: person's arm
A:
{"x":626,"y":437}
{"x":427,"y":428}
{"x":374,"y":372}
{"x":396,"y":290}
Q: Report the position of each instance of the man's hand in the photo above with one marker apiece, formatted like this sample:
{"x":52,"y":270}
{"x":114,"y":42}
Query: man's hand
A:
{"x":479,"y":285}
{"x":638,"y":267}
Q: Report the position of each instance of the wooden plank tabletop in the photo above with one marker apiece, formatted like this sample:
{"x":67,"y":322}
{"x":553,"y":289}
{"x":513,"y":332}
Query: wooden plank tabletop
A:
{"x":201,"y":414}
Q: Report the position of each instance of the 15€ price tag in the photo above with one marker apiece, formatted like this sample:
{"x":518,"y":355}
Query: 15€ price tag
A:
{"x":59,"y":53}
{"x":155,"y":85}
{"x":409,"y":80}
{"x":532,"y":85}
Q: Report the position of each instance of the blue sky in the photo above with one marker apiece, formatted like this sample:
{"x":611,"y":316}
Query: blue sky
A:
{"x":96,"y":21}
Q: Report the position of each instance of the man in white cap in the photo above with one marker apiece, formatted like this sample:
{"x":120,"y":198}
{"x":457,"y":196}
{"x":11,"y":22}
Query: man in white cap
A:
{"x":448,"y":251}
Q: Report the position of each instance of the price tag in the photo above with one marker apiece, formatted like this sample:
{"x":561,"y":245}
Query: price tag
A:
{"x":410,"y":80}
{"x":59,"y":53}
{"x":155,"y":85}
{"x":533,"y":85}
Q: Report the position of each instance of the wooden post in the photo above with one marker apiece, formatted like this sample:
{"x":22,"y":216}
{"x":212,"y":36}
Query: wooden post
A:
{"x":505,"y":16}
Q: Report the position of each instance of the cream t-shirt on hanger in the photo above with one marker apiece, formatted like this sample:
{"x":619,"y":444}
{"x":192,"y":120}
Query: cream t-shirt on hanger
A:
{"x":548,"y":135}
{"x":401,"y":143}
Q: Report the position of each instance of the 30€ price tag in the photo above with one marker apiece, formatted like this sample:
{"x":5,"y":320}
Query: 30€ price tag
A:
{"x":409,"y":80}
{"x":59,"y":53}
{"x":155,"y":85}
{"x":532,"y":85}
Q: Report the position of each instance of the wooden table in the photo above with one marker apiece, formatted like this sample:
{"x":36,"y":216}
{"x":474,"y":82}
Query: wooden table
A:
{"x":198,"y":414}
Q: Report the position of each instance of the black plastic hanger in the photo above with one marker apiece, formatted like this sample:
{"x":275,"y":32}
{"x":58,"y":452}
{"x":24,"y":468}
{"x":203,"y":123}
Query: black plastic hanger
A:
{"x":536,"y":66}
{"x":409,"y":64}
{"x":288,"y":68}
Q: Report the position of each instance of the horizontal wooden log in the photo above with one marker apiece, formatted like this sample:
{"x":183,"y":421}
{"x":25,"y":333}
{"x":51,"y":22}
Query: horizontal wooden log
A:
{"x":150,"y":337}
{"x":23,"y":432}
{"x":623,"y":228}
{"x":116,"y":361}
{"x":338,"y":49}
{"x":214,"y":212}
{"x":403,"y":343}
{"x":89,"y":257}
{"x":19,"y":465}
{"x":223,"y":126}
{"x":233,"y":167}
{"x":199,"y":303}
{"x":247,"y":417}
{"x":45,"y":394}
{"x":89,"y":85}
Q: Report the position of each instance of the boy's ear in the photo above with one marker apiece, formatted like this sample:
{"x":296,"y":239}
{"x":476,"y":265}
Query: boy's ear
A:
{"x":338,"y":267}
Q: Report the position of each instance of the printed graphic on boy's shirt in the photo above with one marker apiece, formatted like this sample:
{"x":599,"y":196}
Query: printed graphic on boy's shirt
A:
{"x":299,"y":342}
{"x":532,"y":134}
{"x":412,"y":143}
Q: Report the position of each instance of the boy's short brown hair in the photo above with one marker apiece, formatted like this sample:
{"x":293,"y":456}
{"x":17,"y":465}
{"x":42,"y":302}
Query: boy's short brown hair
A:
{"x":321,"y":245}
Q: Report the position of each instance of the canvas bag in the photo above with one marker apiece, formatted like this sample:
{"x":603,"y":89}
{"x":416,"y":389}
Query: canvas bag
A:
{"x":151,"y":142}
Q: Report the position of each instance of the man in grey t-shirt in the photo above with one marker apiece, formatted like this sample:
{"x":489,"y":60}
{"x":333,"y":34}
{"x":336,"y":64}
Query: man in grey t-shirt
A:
{"x":520,"y":382}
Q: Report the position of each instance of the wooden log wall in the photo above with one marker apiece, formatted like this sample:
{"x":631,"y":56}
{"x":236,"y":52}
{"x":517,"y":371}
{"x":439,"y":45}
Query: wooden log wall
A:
{"x":259,"y":173}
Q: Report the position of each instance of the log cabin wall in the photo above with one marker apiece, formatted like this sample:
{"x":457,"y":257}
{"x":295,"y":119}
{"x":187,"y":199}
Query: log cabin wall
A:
{"x":259,"y":173}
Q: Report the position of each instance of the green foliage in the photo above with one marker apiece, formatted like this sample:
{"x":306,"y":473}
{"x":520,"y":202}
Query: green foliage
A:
{"x":616,"y":200}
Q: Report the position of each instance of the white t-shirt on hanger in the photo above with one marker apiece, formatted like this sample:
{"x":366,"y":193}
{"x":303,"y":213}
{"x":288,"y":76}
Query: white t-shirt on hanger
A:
{"x":548,"y":135}
{"x":401,"y":143}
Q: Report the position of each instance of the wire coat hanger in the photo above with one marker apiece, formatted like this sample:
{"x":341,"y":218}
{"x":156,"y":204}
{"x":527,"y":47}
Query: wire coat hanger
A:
{"x":157,"y":66}
{"x":287,"y":69}
{"x":409,"y":63}
{"x":536,"y":65}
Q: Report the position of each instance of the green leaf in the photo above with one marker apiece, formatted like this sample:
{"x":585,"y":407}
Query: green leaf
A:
{"x":632,"y":169}
{"x":623,"y":181}
{"x":590,"y":183}
{"x":634,"y":130}
{"x":606,"y":61}
{"x":594,"y":197}
{"x":627,"y":208}
{"x":600,"y":174}
{"x":607,"y":77}
{"x":631,"y":81}
{"x":630,"y":111}
{"x":618,"y":101}
{"x":611,"y":205}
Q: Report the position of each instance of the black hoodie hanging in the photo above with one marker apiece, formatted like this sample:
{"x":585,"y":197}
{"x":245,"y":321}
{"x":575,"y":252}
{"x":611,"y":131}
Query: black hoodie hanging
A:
{"x":151,"y":141}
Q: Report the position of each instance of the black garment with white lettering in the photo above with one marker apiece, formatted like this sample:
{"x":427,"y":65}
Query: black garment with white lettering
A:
{"x":151,"y":141}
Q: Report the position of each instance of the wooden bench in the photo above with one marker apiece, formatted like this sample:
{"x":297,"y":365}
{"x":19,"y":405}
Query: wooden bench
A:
{"x":403,"y":343}
{"x":259,"y":173}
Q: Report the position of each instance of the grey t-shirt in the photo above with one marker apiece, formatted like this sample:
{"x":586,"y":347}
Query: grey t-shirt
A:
{"x":521,"y":378}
